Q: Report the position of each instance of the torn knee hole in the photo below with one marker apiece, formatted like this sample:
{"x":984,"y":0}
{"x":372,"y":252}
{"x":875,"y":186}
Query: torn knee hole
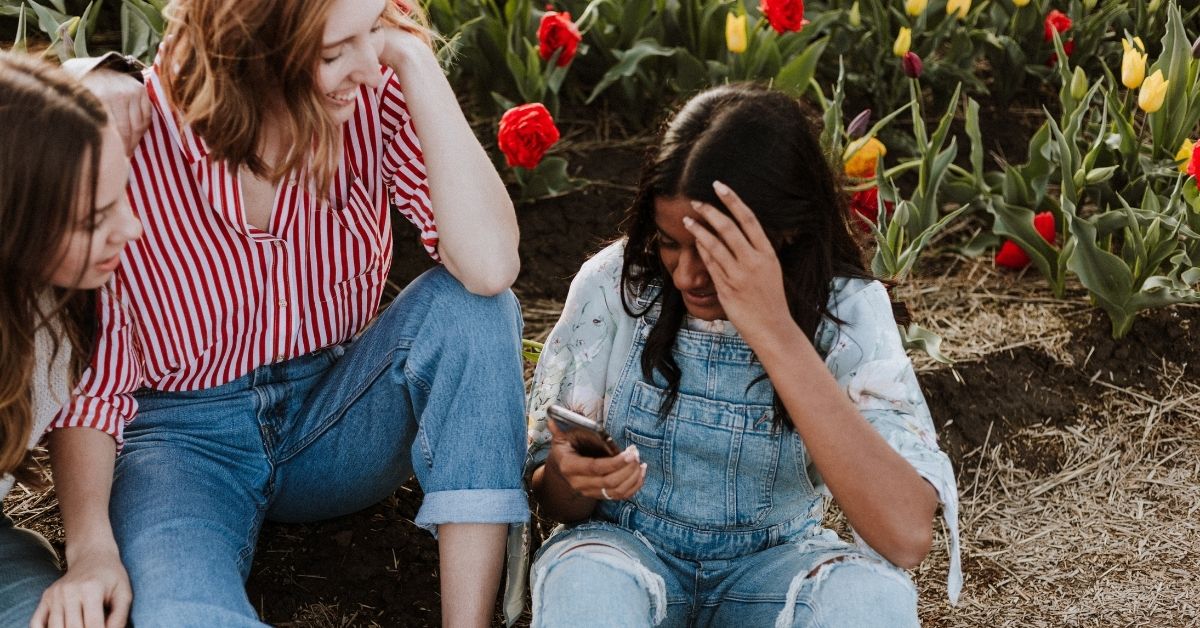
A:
{"x":822,"y":564}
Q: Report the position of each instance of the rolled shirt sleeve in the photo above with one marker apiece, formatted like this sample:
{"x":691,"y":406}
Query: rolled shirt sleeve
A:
{"x":403,"y":164}
{"x":866,"y":356}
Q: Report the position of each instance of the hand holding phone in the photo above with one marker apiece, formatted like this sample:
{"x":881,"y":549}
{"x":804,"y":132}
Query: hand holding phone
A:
{"x":586,"y":457}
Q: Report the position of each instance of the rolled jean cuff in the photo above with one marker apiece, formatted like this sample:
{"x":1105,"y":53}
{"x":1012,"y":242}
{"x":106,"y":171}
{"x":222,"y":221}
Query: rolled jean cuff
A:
{"x":507,"y":505}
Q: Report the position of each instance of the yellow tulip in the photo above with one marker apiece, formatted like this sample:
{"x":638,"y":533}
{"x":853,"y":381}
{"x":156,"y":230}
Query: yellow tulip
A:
{"x":958,"y":8}
{"x":1154,"y":91}
{"x":1185,"y":155}
{"x":735,"y":33}
{"x":1133,"y":63}
{"x":862,"y":163}
{"x":903,"y":41}
{"x":1020,"y":3}
{"x":916,"y":7}
{"x":855,"y":15}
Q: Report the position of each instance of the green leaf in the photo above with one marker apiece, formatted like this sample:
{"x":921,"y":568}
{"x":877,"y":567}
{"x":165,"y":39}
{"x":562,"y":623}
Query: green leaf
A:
{"x":797,"y":73}
{"x":548,"y":180}
{"x":917,"y":338}
{"x":627,"y":64}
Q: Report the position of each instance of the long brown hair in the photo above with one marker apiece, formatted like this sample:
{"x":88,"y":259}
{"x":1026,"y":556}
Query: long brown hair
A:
{"x":49,"y":158}
{"x":230,"y":63}
{"x":759,"y":142}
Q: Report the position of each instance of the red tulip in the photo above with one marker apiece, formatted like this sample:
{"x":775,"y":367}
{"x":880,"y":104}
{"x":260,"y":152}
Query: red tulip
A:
{"x":1068,"y":47}
{"x":1056,"y":21}
{"x":864,"y":207}
{"x":1193,"y":167}
{"x":526,"y":132}
{"x":911,"y":64}
{"x":784,"y":15}
{"x":557,"y":32}
{"x":1014,"y":257}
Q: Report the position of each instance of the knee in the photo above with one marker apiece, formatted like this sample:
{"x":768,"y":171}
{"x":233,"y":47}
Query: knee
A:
{"x":861,"y":591}
{"x":580,"y":585}
{"x":466,"y":315}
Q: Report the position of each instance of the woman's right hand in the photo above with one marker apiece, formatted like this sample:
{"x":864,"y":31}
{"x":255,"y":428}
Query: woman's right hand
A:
{"x":94,"y":593}
{"x":127,"y":103}
{"x":615,"y":477}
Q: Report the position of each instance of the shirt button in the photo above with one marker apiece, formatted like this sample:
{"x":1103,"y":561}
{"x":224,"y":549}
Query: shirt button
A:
{"x":279,"y":358}
{"x":283,"y":303}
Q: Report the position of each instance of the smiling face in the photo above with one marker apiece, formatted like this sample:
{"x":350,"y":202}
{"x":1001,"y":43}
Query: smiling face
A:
{"x":677,"y":249}
{"x":351,"y":46}
{"x":92,"y":249}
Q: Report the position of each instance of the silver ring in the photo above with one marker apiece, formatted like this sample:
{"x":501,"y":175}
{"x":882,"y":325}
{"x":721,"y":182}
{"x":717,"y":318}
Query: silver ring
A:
{"x":604,"y":492}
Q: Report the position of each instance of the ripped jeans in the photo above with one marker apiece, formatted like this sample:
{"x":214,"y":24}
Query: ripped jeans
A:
{"x":601,"y":574}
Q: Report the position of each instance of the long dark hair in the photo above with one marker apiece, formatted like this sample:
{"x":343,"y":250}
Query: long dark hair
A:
{"x":50,"y":154}
{"x":760,"y":143}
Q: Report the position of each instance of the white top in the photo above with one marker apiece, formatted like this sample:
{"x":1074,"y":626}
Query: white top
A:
{"x":590,"y":344}
{"x":51,"y":382}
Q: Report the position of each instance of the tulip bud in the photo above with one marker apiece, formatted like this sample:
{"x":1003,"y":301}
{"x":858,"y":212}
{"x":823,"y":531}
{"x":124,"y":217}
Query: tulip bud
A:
{"x":1184,"y":155}
{"x":1079,"y":84}
{"x":858,"y":125}
{"x":735,"y":33}
{"x":1020,"y":3}
{"x":1154,"y":92}
{"x":903,"y":41}
{"x":911,"y":64}
{"x":1153,"y":6}
{"x":855,"y":15}
{"x":1133,"y":63}
{"x":1088,"y":5}
{"x":915,"y":7}
{"x":958,"y":8}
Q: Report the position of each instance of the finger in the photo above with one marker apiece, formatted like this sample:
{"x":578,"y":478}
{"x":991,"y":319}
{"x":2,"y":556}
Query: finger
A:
{"x":630,"y":486}
{"x":93,"y":610}
{"x":726,"y":229}
{"x":717,"y":258}
{"x":40,"y":615}
{"x":588,"y":471}
{"x":56,"y":617}
{"x":73,"y":613}
{"x":745,"y":217}
{"x":595,"y":487}
{"x":118,"y":610}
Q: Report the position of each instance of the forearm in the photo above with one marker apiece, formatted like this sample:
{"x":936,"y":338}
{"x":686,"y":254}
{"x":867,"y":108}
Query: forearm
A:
{"x":477,"y":226}
{"x":886,"y":501}
{"x":556,"y":499}
{"x":82,"y":459}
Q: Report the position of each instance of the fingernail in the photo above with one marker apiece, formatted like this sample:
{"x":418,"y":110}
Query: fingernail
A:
{"x":721,"y":188}
{"x":631,"y":453}
{"x":688,"y":221}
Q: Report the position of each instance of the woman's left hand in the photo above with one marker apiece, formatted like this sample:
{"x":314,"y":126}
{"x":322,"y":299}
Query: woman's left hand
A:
{"x":743,"y":265}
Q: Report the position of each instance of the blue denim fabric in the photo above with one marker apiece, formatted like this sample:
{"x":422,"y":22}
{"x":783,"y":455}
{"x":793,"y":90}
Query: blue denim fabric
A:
{"x":726,"y":528}
{"x":432,"y":387}
{"x":29,"y":567}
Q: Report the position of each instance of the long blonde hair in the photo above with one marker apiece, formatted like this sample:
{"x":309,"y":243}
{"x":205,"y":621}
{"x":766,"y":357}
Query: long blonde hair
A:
{"x":51,"y":151}
{"x":223,"y":56}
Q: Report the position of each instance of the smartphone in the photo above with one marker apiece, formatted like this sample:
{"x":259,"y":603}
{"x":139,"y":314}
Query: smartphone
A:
{"x":588,"y":438}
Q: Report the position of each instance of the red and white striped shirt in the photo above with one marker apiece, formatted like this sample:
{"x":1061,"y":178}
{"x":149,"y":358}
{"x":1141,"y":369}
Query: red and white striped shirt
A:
{"x":204,"y":298}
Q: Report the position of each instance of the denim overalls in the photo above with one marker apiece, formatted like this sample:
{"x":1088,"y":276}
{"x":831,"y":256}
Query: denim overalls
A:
{"x":727,"y":526}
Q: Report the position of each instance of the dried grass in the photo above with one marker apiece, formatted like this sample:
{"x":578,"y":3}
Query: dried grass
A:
{"x":1111,"y":538}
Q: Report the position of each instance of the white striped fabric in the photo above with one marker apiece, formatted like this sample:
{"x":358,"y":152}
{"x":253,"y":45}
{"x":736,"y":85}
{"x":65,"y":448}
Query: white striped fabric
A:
{"x":203,"y":297}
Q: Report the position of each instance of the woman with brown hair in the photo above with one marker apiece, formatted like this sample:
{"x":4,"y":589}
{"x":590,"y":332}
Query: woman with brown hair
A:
{"x":64,"y":222}
{"x":263,"y":383}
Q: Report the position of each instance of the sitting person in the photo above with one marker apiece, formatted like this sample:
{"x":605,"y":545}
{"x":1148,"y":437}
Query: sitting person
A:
{"x":254,"y":377}
{"x":735,"y":346}
{"x":65,"y":222}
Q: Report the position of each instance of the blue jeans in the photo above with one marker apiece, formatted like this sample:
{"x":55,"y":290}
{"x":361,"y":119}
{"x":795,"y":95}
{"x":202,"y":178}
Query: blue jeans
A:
{"x":432,"y":387}
{"x":601,"y":574}
{"x":29,"y":567}
{"x":726,"y":529}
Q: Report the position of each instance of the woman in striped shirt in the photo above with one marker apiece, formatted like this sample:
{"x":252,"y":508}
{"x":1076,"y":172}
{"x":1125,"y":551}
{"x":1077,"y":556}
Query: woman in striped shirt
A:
{"x":64,"y":222}
{"x":242,"y":330}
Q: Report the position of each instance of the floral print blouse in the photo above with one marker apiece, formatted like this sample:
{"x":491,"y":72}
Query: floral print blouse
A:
{"x":590,"y":344}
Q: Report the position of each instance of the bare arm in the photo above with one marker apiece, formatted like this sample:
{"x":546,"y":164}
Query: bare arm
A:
{"x":477,"y":226}
{"x":95,"y":586}
{"x":889,"y":504}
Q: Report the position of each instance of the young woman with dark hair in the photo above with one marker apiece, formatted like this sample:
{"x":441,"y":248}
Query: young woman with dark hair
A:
{"x":737,"y":348}
{"x":64,"y":222}
{"x":255,"y":377}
